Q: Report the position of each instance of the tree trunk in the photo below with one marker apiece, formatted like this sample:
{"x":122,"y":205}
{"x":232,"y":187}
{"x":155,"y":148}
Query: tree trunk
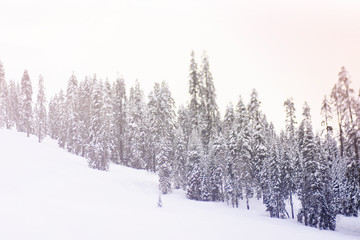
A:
{"x":292,"y":205}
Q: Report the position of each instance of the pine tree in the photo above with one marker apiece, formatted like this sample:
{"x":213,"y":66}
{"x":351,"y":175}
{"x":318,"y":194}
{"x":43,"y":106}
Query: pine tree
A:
{"x":84,"y":113}
{"x":161,"y":125}
{"x":218,"y":159}
{"x":233,"y":169}
{"x":210,"y":115}
{"x":316,"y":189}
{"x":179,"y":167}
{"x":164,"y":166}
{"x":61,"y":119}
{"x":119,"y":107}
{"x":310,"y":185}
{"x":108,"y":121}
{"x":52,"y":118}
{"x":194,"y":172}
{"x":326,"y":112}
{"x":229,"y":120}
{"x":276,"y":178}
{"x":26,"y":115}
{"x":13,"y":104}
{"x":242,"y":127}
{"x":72,"y":119}
{"x":97,"y":152}
{"x":40,"y":111}
{"x":343,"y":99}
{"x":291,"y":160}
{"x":327,"y":209}
{"x":137,"y":129}
{"x":257,"y":149}
{"x":3,"y":97}
{"x":195,"y":90}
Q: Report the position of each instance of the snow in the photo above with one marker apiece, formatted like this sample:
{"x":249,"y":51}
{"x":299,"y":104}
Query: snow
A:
{"x":47,"y":193}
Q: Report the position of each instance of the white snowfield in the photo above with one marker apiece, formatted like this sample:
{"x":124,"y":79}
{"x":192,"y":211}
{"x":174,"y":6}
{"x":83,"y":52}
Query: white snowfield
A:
{"x":47,"y":193}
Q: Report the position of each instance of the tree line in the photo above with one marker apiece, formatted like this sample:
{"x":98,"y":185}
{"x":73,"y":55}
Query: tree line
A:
{"x":237,"y":157}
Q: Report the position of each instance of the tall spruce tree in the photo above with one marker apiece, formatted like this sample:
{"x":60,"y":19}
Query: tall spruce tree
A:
{"x":40,"y":111}
{"x":194,"y":172}
{"x":26,"y":113}
{"x":180,"y":156}
{"x":291,"y":156}
{"x":84,"y":113}
{"x":136,"y":131}
{"x":3,"y":97}
{"x":257,"y":145}
{"x":72,"y":119}
{"x":210,"y":118}
{"x":97,"y":152}
{"x":195,"y":91}
{"x":119,"y":107}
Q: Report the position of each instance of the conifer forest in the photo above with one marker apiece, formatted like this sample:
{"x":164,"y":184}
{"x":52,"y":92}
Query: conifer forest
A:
{"x":238,"y":156}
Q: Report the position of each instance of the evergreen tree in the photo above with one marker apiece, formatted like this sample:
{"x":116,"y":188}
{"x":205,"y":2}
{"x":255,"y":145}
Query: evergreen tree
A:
{"x":26,"y":115}
{"x":108,"y":121}
{"x":72,"y":118}
{"x":310,"y":189}
{"x":52,"y":118}
{"x":97,"y":152}
{"x":327,"y":210}
{"x":119,"y":107}
{"x":137,"y":129}
{"x":13,"y":104}
{"x":316,"y":191}
{"x":3,"y":96}
{"x":40,"y":111}
{"x":61,"y":119}
{"x":343,"y":99}
{"x":195,"y":90}
{"x":161,"y":125}
{"x":291,"y":160}
{"x":217,"y":174}
{"x":326,"y":112}
{"x":256,"y":145}
{"x":84,"y":113}
{"x":275,"y":203}
{"x":179,"y":166}
{"x":210,"y":115}
{"x":194,"y":172}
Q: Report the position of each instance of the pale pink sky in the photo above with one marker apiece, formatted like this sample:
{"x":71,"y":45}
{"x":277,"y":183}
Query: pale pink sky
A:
{"x":281,"y":48}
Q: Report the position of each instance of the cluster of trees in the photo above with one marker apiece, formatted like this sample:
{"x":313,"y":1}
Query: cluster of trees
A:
{"x":237,"y":157}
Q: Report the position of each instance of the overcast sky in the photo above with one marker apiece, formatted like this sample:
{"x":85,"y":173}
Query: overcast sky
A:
{"x":282,"y":48}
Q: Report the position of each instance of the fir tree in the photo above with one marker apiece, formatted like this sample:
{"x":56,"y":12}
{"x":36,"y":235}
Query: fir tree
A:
{"x":291,"y":161}
{"x":194,"y":172}
{"x":119,"y":107}
{"x":180,"y":151}
{"x":210,"y":115}
{"x":84,"y":113}
{"x":72,"y":119}
{"x":218,"y":155}
{"x":60,"y":123}
{"x":3,"y":96}
{"x":97,"y":152}
{"x":26,"y":115}
{"x":256,"y":146}
{"x":275,"y":203}
{"x":137,"y":129}
{"x":40,"y":111}
{"x":195,"y":90}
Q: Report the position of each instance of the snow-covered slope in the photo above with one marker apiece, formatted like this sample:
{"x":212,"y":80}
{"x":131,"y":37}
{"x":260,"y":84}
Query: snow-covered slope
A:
{"x":47,"y":193}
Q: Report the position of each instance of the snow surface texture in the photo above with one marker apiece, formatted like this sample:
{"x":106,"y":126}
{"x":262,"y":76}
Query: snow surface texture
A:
{"x":47,"y":193}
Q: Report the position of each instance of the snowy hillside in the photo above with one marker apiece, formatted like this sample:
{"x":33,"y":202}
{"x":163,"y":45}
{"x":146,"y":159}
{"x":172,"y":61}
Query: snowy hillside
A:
{"x":47,"y":193}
